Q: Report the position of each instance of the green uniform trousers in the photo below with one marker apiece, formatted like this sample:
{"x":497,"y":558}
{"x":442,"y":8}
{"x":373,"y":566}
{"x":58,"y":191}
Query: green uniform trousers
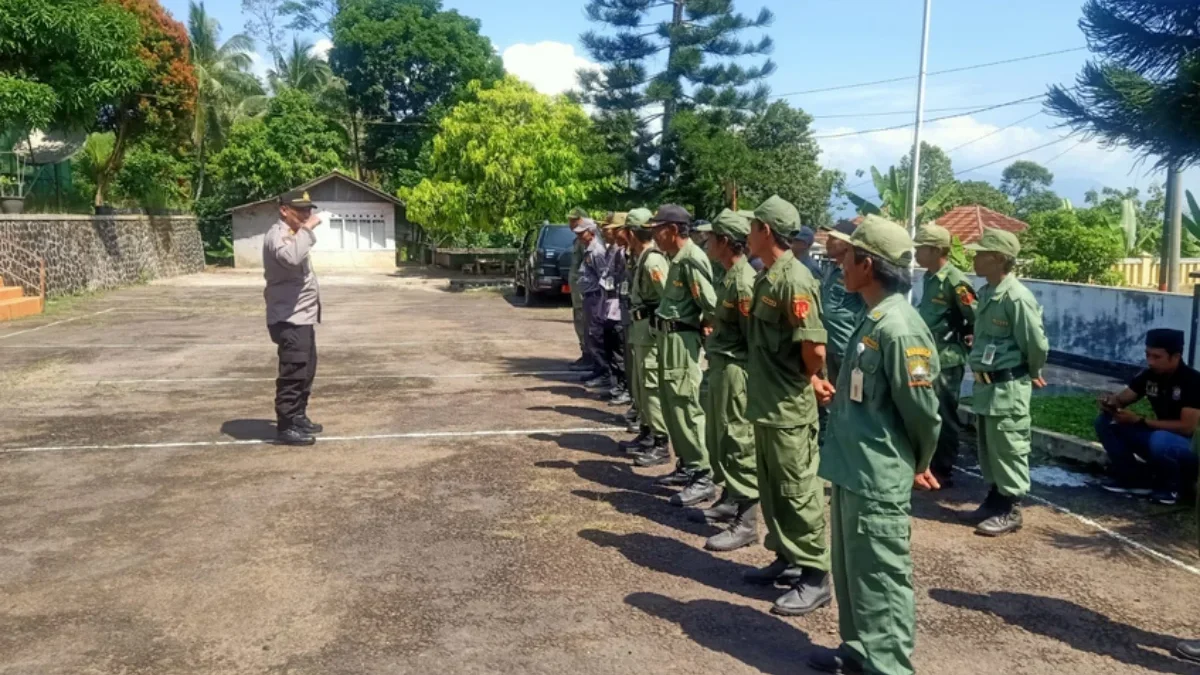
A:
{"x":731,"y":448}
{"x":578,"y":317}
{"x":1004,"y":447}
{"x":645,"y":391}
{"x":872,"y":579}
{"x":948,"y":387}
{"x":707,"y":401}
{"x":679,"y":384}
{"x":791,"y":494}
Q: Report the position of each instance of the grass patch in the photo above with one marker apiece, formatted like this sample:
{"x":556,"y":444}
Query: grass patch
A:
{"x":65,"y":303}
{"x":1074,"y":414}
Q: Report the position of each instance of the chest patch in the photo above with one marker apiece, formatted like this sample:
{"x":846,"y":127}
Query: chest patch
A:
{"x":769,"y":301}
{"x":1152,"y":389}
{"x":678,"y":284}
{"x":939,"y":300}
{"x":1177,"y":394}
{"x":870,"y":342}
{"x":1003,"y":323}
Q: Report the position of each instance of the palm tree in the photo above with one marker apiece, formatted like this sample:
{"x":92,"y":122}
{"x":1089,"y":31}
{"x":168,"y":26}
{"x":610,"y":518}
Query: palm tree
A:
{"x":301,"y":69}
{"x":893,"y":197}
{"x":227,"y":87}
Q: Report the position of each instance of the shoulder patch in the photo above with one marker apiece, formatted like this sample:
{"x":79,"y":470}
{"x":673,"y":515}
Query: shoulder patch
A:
{"x":801,"y":304}
{"x":919,"y":371}
{"x":918,"y":351}
{"x":657,"y":276}
{"x":744,"y":306}
{"x":966,"y":295}
{"x":696,"y":290}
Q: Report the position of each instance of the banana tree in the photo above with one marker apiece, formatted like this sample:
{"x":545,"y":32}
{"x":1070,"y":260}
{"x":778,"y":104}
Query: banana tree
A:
{"x":1192,"y":221}
{"x":894,"y":196}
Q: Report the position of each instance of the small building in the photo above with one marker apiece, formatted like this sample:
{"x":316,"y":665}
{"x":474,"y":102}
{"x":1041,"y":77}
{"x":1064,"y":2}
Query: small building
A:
{"x":362,"y":234}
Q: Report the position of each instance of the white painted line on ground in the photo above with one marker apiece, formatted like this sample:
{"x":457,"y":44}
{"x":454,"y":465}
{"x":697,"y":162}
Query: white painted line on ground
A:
{"x":264,"y":344}
{"x":320,"y":439}
{"x":322,"y":378}
{"x":1132,"y":543}
{"x":56,"y":323}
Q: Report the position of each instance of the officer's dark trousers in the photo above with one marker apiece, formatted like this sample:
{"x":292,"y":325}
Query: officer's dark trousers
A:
{"x":614,"y":350}
{"x":593,"y":312}
{"x":297,"y":368}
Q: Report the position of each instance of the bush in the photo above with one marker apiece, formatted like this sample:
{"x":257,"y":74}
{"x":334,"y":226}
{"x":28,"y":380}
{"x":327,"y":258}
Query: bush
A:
{"x":1078,"y":246}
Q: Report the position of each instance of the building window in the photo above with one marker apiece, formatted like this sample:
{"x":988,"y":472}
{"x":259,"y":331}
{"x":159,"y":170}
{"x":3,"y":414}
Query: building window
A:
{"x":359,"y":232}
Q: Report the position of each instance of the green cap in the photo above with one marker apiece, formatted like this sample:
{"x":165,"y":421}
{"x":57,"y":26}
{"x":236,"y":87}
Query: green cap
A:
{"x":731,"y":224}
{"x":704,"y":226}
{"x":577,"y":212}
{"x":615,"y":220}
{"x":933,"y":235}
{"x":747,"y":214}
{"x":997,"y":241}
{"x":885,"y":239}
{"x":638,"y":219}
{"x":779,"y":214}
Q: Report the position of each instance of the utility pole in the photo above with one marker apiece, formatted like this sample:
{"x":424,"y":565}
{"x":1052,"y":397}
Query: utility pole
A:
{"x":666,"y":161}
{"x":1172,"y":231}
{"x":915,"y":178}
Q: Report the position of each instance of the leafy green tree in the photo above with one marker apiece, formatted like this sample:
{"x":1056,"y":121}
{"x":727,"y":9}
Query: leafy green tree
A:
{"x":300,"y":69}
{"x":894,"y":195}
{"x":503,"y":162}
{"x":406,"y":63}
{"x":311,"y":16}
{"x":936,"y":169}
{"x":1073,"y":245}
{"x":62,"y":60}
{"x":224,"y":81}
{"x":975,"y":193}
{"x":1149,"y":214}
{"x":1024,"y":178}
{"x":292,"y":143}
{"x":696,"y":42}
{"x":263,"y":22}
{"x":1144,"y":90}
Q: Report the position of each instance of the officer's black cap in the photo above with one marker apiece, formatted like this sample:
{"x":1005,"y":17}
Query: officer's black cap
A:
{"x":298,"y":199}
{"x":671,"y":213}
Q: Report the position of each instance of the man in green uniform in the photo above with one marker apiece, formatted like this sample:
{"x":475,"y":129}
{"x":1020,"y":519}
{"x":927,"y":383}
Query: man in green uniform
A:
{"x":583,"y":364}
{"x":689,"y":299}
{"x":882,"y":435}
{"x":646,"y":289}
{"x":841,"y":310}
{"x":948,"y":308}
{"x":731,"y":436}
{"x":1007,"y":358}
{"x":785,"y":366}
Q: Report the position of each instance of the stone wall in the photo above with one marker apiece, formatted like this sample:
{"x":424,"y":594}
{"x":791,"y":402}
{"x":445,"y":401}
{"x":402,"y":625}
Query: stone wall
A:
{"x":86,"y":253}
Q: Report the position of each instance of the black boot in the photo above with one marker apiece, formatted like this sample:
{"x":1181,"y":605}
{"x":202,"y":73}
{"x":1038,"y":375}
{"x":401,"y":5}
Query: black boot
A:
{"x":724,"y":510}
{"x":306,"y":425}
{"x":834,"y":661}
{"x":743,"y":531}
{"x":643,"y":442}
{"x":987,"y":509}
{"x":1006,"y":520}
{"x":581,"y":365}
{"x":657,"y":455}
{"x":294,"y":436}
{"x":699,"y":489}
{"x":810,"y":593}
{"x":1189,"y":650}
{"x":781,"y":570}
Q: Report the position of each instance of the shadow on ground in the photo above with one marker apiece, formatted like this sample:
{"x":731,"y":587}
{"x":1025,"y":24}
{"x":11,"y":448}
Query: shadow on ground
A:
{"x":249,"y":430}
{"x":749,"y":635}
{"x":1079,"y":627}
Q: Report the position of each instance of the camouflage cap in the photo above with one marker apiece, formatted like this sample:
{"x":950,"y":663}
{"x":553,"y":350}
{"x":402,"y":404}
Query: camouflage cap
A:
{"x":882,"y":237}
{"x":638,"y":219}
{"x":731,"y":224}
{"x":933,"y":235}
{"x":780,"y":214}
{"x":997,"y":241}
{"x":577,"y":212}
{"x":615,"y":219}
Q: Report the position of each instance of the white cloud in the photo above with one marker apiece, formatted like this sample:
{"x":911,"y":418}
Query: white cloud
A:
{"x":259,"y":65}
{"x":321,"y":48}
{"x":549,"y":66}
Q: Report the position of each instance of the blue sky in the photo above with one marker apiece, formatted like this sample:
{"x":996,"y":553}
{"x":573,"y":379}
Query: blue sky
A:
{"x":826,"y":43}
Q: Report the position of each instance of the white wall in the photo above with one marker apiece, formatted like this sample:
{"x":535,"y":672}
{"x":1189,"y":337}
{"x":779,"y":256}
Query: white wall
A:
{"x":250,"y":225}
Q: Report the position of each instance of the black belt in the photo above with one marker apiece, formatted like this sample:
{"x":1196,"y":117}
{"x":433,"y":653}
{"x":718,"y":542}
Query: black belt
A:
{"x":671,"y":326}
{"x":612,"y":295}
{"x":643,"y":313}
{"x":1000,"y":376}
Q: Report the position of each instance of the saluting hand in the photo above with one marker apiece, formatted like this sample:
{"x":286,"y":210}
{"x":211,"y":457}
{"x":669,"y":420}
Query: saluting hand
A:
{"x":313,"y":221}
{"x":823,"y":389}
{"x":926,"y":481}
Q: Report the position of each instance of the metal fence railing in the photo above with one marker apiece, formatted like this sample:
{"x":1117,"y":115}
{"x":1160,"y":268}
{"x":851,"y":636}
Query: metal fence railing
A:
{"x":20,"y":266}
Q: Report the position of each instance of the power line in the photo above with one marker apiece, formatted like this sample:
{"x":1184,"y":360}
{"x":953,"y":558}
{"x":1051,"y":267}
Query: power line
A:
{"x":993,"y":133}
{"x":899,"y":112}
{"x":906,"y":78}
{"x":1063,"y":152}
{"x":935,"y":119}
{"x":1013,"y":156}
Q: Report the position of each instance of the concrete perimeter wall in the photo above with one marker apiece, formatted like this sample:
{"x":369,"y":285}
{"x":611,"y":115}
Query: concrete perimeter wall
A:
{"x":97,"y":252}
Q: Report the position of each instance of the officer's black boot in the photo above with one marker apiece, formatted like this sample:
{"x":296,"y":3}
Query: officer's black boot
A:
{"x":657,"y":455}
{"x":834,"y":661}
{"x":1189,"y":650}
{"x":293,"y":435}
{"x":743,"y":531}
{"x":307,"y":426}
{"x":779,"y":571}
{"x":700,"y":489}
{"x":1006,"y":520}
{"x":987,"y":509}
{"x":643,"y":442}
{"x":724,"y":510}
{"x":810,"y":592}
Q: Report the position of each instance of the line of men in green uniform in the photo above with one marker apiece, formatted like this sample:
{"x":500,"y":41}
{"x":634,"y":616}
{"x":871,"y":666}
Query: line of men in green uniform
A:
{"x":780,"y":346}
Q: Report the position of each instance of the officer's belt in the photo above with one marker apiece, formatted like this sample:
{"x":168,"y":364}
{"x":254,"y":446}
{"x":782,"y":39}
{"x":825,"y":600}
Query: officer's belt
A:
{"x":645,"y":312}
{"x":1000,"y":376}
{"x":612,"y":295}
{"x":671,"y":326}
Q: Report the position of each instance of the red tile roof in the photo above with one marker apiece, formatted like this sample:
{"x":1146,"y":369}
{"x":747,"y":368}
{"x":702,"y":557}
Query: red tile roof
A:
{"x":967,"y":222}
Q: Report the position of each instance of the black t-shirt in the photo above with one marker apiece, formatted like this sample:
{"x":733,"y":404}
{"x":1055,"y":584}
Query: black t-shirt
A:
{"x":1169,"y":394}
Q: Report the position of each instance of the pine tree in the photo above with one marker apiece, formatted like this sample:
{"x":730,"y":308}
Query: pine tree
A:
{"x":695,"y":44}
{"x":1144,"y":91}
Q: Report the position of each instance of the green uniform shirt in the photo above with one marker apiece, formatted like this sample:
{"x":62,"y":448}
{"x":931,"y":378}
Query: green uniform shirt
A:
{"x":718,"y":273}
{"x":876,"y":445}
{"x":731,"y":322}
{"x":689,"y":296}
{"x":646,"y":291}
{"x":577,"y":254}
{"x":841,"y":311}
{"x":1008,"y":327}
{"x":948,"y":308}
{"x":786,"y":313}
